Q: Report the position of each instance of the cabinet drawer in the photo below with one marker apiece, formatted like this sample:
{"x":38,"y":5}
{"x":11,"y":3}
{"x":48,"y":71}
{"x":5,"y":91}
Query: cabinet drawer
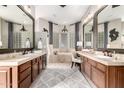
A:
{"x":24,"y":66}
{"x":101,"y":67}
{"x":24,"y":74}
{"x":25,"y":83}
{"x":92,"y":62}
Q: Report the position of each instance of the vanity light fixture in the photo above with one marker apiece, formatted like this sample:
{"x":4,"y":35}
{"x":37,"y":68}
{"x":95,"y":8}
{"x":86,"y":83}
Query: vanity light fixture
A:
{"x":45,"y":30}
{"x":64,"y":29}
{"x":23,"y":28}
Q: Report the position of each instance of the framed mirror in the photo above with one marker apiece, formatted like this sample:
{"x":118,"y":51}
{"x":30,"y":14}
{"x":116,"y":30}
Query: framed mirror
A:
{"x":16,"y":28}
{"x":88,"y":34}
{"x":111,"y":27}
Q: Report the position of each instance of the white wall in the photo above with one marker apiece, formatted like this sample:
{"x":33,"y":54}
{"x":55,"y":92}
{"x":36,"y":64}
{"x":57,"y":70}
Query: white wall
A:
{"x":40,"y":24}
{"x":57,"y":30}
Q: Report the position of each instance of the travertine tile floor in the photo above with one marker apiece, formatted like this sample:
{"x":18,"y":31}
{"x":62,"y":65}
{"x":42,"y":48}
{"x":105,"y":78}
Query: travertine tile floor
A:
{"x":60,"y":75}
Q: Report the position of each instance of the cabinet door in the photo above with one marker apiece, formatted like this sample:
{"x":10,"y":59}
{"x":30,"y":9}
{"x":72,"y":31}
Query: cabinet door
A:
{"x":44,"y":58}
{"x":98,"y":77}
{"x":40,"y":64}
{"x":34,"y":69}
{"x":5,"y":77}
{"x":120,"y":77}
{"x":82,"y":67}
{"x":87,"y":68}
{"x":26,"y":82}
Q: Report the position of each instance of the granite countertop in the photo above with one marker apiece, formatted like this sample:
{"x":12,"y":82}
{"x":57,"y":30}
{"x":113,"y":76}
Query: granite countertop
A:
{"x":102,"y":59}
{"x":18,"y":60}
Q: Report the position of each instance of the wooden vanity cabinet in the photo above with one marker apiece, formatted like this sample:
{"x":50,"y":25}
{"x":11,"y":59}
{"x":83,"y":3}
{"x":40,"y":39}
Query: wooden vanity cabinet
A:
{"x":24,"y":75}
{"x":103,"y":76}
{"x":29,"y":71}
{"x":95,"y":71}
{"x":5,"y":77}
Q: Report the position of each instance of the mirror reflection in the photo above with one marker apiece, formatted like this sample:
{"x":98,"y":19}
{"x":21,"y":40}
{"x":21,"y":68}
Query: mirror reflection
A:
{"x":88,"y":34}
{"x":16,"y":28}
{"x":111,"y":26}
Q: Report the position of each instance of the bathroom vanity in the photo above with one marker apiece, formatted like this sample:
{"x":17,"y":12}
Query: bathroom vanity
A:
{"x":102,"y":70}
{"x":20,"y":72}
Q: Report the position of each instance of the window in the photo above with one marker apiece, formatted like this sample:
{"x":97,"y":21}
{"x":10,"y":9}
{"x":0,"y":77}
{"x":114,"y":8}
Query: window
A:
{"x":88,"y":40}
{"x":64,"y":40}
{"x":72,"y":40}
{"x":55,"y":40}
{"x":100,"y":39}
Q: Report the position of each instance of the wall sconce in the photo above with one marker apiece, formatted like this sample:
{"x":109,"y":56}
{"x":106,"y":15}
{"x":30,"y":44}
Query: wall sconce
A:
{"x":23,"y":28}
{"x":45,"y":30}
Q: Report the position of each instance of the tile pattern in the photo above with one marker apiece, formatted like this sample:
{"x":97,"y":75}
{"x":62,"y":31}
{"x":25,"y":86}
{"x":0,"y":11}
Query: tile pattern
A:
{"x":60,"y":75}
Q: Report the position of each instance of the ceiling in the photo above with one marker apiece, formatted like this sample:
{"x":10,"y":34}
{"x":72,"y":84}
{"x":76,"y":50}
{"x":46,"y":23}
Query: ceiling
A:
{"x":68,"y":15}
{"x":14,"y":14}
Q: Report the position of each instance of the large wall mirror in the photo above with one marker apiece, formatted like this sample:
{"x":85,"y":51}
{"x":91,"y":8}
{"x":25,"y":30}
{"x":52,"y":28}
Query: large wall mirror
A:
{"x":16,"y":28}
{"x":111,"y":27}
{"x":88,"y":34}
